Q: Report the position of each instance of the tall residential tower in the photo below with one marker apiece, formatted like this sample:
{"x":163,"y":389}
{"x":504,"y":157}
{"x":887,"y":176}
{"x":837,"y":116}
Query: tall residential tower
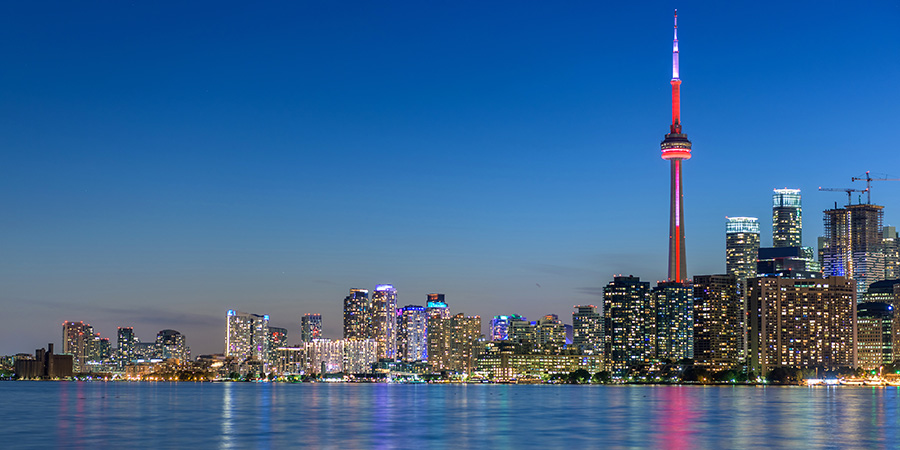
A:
{"x":787,"y":225}
{"x":676,"y":148}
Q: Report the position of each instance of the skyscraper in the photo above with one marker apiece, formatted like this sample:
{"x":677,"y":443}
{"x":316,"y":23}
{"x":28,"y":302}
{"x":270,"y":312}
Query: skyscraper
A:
{"x":874,"y":340}
{"x":801,"y":323}
{"x":787,"y":225}
{"x":853,"y":237}
{"x":718,"y":322}
{"x":674,"y":321}
{"x":587,"y":327}
{"x":412,"y":334}
{"x":891,"y":245}
{"x":453,"y":342}
{"x":500,"y":326}
{"x":741,"y":247}
{"x":435,"y":304}
{"x":357,"y":315}
{"x":676,"y":148}
{"x":627,"y":323}
{"x":310,"y":327}
{"x":125,"y":341}
{"x":171,"y":344}
{"x":247,"y":336}
{"x":77,"y":337}
{"x":384,"y":320}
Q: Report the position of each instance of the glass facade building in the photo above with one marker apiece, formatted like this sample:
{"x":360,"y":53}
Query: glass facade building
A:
{"x":718,"y":322}
{"x":741,"y":247}
{"x":787,"y":224}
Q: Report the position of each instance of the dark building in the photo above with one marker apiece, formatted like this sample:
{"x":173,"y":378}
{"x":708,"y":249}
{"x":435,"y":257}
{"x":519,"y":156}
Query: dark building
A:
{"x":628,"y":324}
{"x":718,"y":322}
{"x":357,"y":315}
{"x":787,"y":262}
{"x":674,"y":325}
{"x":45,"y":365}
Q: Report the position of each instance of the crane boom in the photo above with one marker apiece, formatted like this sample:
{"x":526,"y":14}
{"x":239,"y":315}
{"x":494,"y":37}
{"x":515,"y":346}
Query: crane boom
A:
{"x":849,"y":192}
{"x":868,"y":179}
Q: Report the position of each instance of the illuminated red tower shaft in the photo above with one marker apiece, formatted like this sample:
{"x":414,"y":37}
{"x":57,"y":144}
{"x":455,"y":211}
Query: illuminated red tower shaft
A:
{"x":676,"y":148}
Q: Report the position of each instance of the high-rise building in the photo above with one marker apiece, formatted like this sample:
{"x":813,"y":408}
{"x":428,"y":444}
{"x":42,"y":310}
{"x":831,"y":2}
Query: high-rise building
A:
{"x":453,"y":342}
{"x":76,"y":341}
{"x":587,"y":328}
{"x":787,"y":262}
{"x":627,"y":323}
{"x":357,"y":315}
{"x":874,"y":338}
{"x":435,"y":304}
{"x":247,"y":336}
{"x":359,"y":355}
{"x":310,"y":327}
{"x":412,"y":334}
{"x":801,"y":323}
{"x":787,"y":225}
{"x":718,"y":322}
{"x":891,"y":245}
{"x":674,"y":322}
{"x":171,"y":344}
{"x":741,"y":247}
{"x":277,"y":338}
{"x":384,"y":320}
{"x":853,"y":244}
{"x":676,"y":148}
{"x":125,"y":341}
{"x":500,"y":326}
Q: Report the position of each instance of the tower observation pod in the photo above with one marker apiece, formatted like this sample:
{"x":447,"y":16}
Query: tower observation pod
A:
{"x":676,"y":148}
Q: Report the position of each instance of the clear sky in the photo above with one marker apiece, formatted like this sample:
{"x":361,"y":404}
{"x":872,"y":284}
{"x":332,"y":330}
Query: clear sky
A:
{"x":165,"y":162}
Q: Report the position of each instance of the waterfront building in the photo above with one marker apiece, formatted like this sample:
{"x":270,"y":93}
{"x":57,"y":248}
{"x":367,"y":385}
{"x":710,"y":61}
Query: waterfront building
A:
{"x":587,"y":330}
{"x":853,"y":244}
{"x":505,"y":361}
{"x":453,"y":342}
{"x":359,"y":355}
{"x":310,"y":327}
{"x":357,"y":315}
{"x":146,"y":351}
{"x":874,"y":337}
{"x":801,"y":323}
{"x":718,"y":322}
{"x":247,"y":336}
{"x":172,"y":344}
{"x":500,"y":326}
{"x":674,"y":321}
{"x":77,"y":341}
{"x":787,"y":225}
{"x":629,"y":317}
{"x":277,"y":337}
{"x":548,"y":333}
{"x":125,"y":341}
{"x":44,"y":365}
{"x":436,"y":304}
{"x":412,"y":334}
{"x":326,"y":355}
{"x":291,"y":360}
{"x":384,"y":320}
{"x":741,"y":247}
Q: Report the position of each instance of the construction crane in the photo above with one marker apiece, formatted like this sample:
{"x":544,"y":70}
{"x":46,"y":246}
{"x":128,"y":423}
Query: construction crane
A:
{"x":849,"y":192}
{"x":868,"y":181}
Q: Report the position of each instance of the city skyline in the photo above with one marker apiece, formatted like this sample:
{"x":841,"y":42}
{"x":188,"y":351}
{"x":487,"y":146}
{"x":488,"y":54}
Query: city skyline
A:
{"x":268,"y":160}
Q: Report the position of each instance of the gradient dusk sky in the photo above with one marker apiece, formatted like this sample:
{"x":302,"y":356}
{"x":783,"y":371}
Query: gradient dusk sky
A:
{"x":165,"y":162}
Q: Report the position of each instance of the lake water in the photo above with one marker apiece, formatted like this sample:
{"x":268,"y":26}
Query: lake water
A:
{"x":350,"y":416}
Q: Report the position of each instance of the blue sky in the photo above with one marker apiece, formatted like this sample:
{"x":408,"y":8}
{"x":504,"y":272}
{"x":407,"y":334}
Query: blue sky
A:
{"x":163,"y":163}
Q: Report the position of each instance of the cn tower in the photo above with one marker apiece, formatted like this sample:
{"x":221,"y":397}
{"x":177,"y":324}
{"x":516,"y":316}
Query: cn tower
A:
{"x":676,"y":148}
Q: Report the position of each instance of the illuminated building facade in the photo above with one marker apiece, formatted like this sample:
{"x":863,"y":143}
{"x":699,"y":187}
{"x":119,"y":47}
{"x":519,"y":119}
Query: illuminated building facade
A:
{"x":547,"y":333}
{"x":172,"y":344}
{"x":787,"y":262}
{"x":504,"y":361}
{"x":627,"y":323}
{"x":801,"y":323}
{"x":359,"y":355}
{"x":77,"y":341}
{"x":436,"y":304}
{"x":412,"y":334}
{"x":453,"y":342}
{"x":587,"y":328}
{"x":674,"y":322}
{"x":718,"y":322}
{"x":310,"y":327}
{"x":326,"y":355}
{"x":125,"y":341}
{"x":247,"y":336}
{"x":874,"y":337}
{"x":384,"y":320}
{"x":676,"y":148}
{"x":787,"y":224}
{"x":357,"y":315}
{"x":891,"y":245}
{"x":500,"y":326}
{"x":277,"y":338}
{"x":741,"y":247}
{"x":853,"y":244}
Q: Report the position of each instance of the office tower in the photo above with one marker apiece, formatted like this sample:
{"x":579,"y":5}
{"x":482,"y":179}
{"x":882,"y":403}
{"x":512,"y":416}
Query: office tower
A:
{"x":247,"y":336}
{"x":853,"y":236}
{"x":310,"y":327}
{"x":674,"y":322}
{"x":787,"y":225}
{"x":874,"y":338}
{"x":801,"y":323}
{"x":77,"y":337}
{"x":453,"y":342}
{"x":891,"y":245}
{"x":384,"y":320}
{"x":171,"y":344}
{"x":500,"y":326}
{"x":879,"y":291}
{"x":741,"y":247}
{"x":676,"y":148}
{"x":357,"y":315}
{"x":718,"y":322}
{"x":125,"y":341}
{"x":435,"y":304}
{"x":787,"y":262}
{"x":627,"y":323}
{"x":587,"y":330}
{"x":412,"y":334}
